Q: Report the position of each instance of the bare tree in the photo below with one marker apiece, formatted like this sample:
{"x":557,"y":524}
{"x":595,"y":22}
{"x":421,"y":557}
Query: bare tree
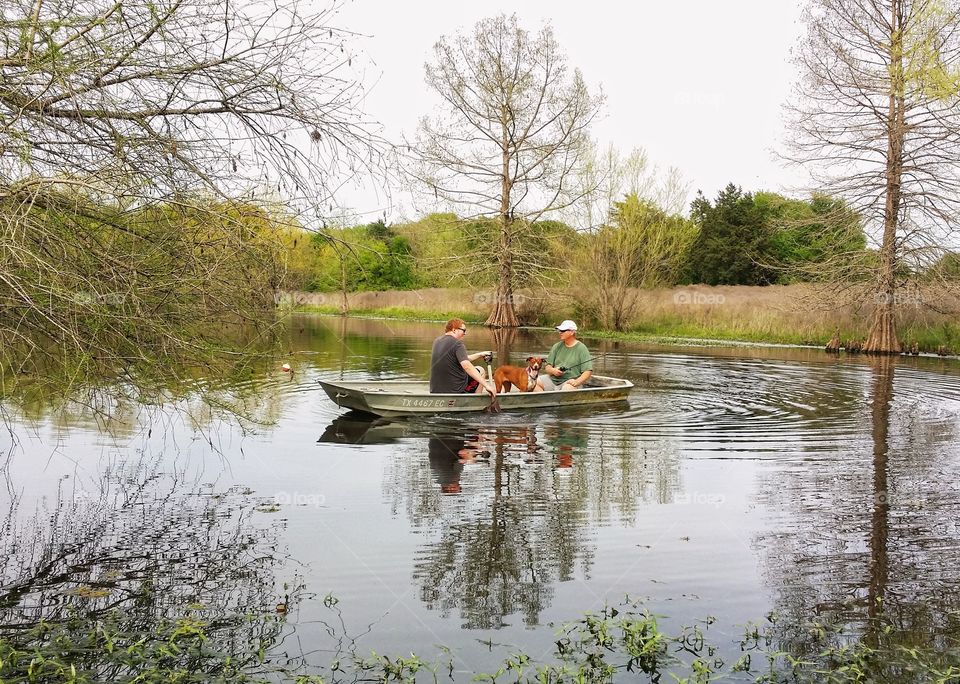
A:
{"x":146,"y":100}
{"x":877,"y":122}
{"x":632,"y":232}
{"x":148,"y":150}
{"x":509,"y":140}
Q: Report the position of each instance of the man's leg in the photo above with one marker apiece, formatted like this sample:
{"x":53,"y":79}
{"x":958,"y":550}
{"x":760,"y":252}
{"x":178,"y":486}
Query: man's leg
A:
{"x":544,"y":384}
{"x":483,"y":376}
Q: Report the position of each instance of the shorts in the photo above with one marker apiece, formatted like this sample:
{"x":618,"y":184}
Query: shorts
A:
{"x":548,"y":383}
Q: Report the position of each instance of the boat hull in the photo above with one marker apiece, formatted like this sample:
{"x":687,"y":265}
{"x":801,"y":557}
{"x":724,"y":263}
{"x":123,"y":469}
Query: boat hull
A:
{"x":411,"y":397}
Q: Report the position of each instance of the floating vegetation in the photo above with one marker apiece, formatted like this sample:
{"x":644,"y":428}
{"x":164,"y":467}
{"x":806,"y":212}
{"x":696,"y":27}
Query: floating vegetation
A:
{"x":618,"y":643}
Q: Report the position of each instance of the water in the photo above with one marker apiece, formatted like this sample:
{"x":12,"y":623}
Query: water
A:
{"x":735,"y":482}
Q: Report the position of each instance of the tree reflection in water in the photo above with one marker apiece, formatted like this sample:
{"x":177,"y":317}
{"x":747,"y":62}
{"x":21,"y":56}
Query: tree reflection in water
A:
{"x":509,"y":508}
{"x":869,"y":544}
{"x":141,"y":550}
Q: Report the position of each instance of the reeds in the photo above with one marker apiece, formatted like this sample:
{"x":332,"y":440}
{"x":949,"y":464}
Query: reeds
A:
{"x":787,"y":314}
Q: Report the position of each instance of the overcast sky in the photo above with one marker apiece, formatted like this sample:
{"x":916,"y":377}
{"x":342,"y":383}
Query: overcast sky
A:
{"x":698,"y":84}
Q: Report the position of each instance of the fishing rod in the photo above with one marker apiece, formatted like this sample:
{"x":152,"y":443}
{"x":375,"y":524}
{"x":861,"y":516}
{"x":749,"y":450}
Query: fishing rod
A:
{"x":564,"y":369}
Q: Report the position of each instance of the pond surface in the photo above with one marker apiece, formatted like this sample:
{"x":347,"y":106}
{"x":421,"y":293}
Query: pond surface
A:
{"x":735,"y":482}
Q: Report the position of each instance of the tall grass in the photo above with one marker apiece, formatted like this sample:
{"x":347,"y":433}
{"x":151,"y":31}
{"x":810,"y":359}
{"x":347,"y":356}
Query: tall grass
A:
{"x":784,"y":314}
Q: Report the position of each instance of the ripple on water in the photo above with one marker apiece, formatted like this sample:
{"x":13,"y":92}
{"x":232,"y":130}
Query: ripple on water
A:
{"x":764,"y":407}
{"x":750,"y":480}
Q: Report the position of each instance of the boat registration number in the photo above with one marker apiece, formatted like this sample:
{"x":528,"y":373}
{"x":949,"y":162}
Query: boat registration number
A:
{"x":428,"y":403}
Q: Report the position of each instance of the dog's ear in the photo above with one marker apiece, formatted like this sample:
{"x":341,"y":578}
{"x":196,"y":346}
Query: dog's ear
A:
{"x":529,"y":359}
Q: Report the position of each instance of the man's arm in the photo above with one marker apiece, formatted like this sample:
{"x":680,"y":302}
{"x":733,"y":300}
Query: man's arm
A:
{"x":585,"y":365}
{"x":548,"y":366}
{"x":580,"y":380}
{"x":476,"y":356}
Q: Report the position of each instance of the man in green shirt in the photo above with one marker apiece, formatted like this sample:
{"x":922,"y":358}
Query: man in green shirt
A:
{"x":568,"y":364}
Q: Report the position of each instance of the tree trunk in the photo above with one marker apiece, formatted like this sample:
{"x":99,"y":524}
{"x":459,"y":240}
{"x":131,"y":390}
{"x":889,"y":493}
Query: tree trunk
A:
{"x":883,"y":332}
{"x":344,"y":304}
{"x":503,"y":314}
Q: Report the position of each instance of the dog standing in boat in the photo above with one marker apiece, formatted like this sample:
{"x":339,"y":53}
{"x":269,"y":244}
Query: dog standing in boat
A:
{"x":524,"y":379}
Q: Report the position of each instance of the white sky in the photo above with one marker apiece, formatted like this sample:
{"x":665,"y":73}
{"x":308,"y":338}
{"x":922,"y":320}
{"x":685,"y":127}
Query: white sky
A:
{"x":698,"y":84}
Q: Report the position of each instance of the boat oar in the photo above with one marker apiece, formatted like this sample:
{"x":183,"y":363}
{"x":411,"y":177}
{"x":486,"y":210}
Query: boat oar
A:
{"x":494,"y":406}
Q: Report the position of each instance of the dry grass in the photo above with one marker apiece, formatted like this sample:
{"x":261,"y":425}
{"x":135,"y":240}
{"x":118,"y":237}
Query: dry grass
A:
{"x":793,"y":314}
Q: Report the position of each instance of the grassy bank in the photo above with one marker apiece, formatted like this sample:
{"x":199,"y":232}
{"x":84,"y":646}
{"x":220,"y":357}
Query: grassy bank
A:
{"x":794,"y":314}
{"x":393,"y":312}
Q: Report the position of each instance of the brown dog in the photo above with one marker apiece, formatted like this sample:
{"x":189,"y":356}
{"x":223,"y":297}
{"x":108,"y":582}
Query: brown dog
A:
{"x":524,"y":379}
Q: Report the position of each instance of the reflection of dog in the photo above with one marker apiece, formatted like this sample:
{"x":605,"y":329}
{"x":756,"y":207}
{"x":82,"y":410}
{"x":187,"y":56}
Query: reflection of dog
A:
{"x":524,"y":379}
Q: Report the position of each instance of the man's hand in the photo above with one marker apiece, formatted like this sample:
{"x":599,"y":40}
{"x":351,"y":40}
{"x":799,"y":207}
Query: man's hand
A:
{"x":485,"y":355}
{"x":491,"y":388}
{"x":554,"y":371}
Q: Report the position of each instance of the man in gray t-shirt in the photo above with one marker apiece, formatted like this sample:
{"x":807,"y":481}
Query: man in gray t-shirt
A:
{"x":451,"y":368}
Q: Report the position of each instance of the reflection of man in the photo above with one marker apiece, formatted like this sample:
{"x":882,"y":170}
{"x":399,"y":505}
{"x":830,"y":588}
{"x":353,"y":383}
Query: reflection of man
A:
{"x":445,"y":462}
{"x":451,"y":368}
{"x":566,"y":443}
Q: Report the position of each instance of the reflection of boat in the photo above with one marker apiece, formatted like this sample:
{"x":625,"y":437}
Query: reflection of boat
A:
{"x":408,"y":397}
{"x":362,"y":428}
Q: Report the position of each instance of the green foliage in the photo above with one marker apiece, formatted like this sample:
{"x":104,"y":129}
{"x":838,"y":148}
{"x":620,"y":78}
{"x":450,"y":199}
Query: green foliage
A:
{"x":441,"y":250}
{"x":657,"y":243}
{"x":362,"y":258}
{"x":641,"y":246}
{"x":734,"y":241}
{"x":947,"y":267}
{"x":130,"y":292}
{"x":928,"y":66}
{"x":378,"y":230}
{"x":625,"y":641}
{"x":812,"y":240}
{"x":555,"y":246}
{"x":302,"y":258}
{"x":79,"y":651}
{"x":763,"y":238}
{"x":740,"y":239}
{"x":438,"y":250}
{"x":439,"y":243}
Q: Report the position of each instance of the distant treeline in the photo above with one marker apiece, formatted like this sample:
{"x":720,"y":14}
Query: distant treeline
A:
{"x":738,"y":238}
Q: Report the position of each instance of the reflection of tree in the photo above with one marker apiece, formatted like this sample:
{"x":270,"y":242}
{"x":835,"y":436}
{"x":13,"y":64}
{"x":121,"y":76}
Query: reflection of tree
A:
{"x":868,"y":542}
{"x":510,"y":507}
{"x":618,"y":476}
{"x":494,"y":558}
{"x":242,"y":387}
{"x":343,"y":344}
{"x":143,"y":551}
{"x":882,"y":396}
{"x":504,"y":340}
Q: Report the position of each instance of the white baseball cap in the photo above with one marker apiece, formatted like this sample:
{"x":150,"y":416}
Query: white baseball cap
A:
{"x":567,"y":325}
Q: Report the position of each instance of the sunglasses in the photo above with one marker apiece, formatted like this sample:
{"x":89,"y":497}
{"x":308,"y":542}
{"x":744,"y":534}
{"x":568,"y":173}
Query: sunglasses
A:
{"x":463,"y":330}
